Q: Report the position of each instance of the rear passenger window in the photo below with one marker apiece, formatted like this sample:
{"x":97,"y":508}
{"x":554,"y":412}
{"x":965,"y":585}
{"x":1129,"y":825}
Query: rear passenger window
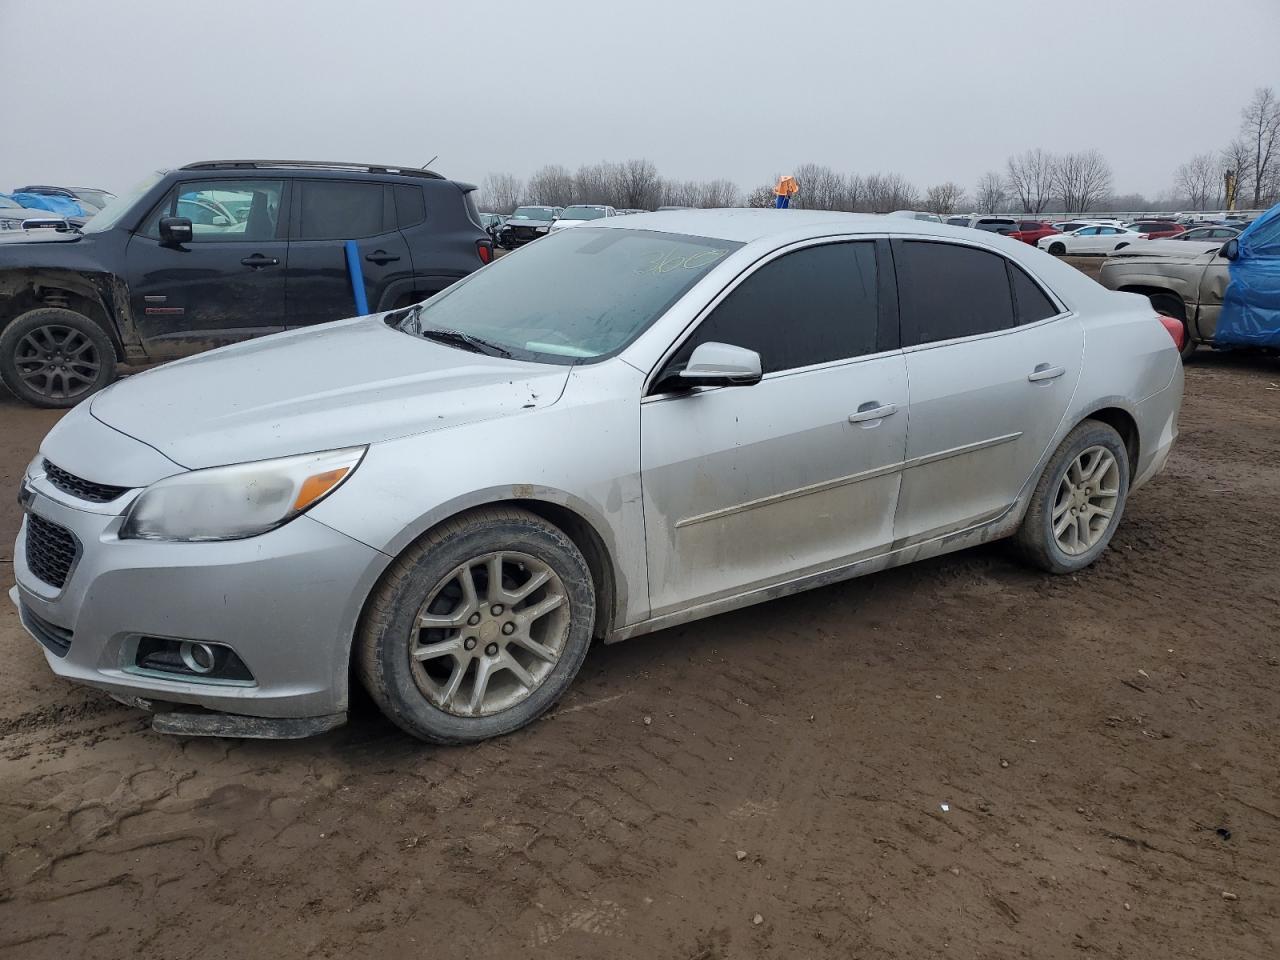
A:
{"x":1029,"y":301}
{"x":811,"y":306}
{"x":338,"y":209}
{"x":410,"y":209}
{"x":947,"y":291}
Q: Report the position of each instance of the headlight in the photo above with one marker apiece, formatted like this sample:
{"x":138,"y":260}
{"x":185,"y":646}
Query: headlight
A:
{"x":10,"y":224}
{"x":244,"y":500}
{"x":539,"y":229}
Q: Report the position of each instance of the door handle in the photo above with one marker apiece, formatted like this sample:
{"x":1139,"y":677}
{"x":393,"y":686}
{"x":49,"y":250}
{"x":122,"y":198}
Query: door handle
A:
{"x":258,"y":260}
{"x":381,"y":256}
{"x":1045,"y":372}
{"x":873,"y":411}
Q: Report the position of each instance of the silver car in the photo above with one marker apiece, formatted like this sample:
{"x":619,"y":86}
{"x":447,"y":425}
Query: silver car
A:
{"x":630,"y":425}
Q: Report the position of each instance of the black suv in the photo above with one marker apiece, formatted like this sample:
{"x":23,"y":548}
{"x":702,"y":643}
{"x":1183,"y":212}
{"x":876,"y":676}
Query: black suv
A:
{"x":223,"y":251}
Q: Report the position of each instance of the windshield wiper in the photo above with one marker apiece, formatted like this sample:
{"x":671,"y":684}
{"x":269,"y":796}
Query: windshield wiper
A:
{"x":456,"y":338}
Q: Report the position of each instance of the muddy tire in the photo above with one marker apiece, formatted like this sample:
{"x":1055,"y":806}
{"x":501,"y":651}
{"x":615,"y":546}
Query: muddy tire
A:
{"x":52,"y":357}
{"x":478,"y":628}
{"x":1078,"y":503}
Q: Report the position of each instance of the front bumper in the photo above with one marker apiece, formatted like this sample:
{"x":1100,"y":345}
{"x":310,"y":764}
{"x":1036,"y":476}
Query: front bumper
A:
{"x":286,"y":602}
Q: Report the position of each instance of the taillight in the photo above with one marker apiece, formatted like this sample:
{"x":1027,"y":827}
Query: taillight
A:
{"x":1176,"y":330}
{"x":484,"y":248}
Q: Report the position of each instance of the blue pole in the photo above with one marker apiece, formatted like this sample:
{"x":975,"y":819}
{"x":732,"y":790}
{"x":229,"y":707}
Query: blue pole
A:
{"x":357,"y":278}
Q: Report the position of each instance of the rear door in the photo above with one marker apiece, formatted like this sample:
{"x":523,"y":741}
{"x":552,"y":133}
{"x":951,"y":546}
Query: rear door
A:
{"x":993,"y":361}
{"x":228,"y":283}
{"x":326,"y":214}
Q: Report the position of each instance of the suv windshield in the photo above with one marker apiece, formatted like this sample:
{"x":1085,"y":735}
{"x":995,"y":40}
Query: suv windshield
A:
{"x":582,"y":213}
{"x":576,"y":295}
{"x":533,"y":213}
{"x":110,"y":215}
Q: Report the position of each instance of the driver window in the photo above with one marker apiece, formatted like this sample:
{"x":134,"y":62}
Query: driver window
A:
{"x":223,"y":210}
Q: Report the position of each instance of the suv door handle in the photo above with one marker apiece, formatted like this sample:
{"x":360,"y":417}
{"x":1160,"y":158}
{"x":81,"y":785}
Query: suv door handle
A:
{"x":381,"y":256}
{"x":873,"y":411}
{"x":258,"y":260}
{"x":1045,"y":372}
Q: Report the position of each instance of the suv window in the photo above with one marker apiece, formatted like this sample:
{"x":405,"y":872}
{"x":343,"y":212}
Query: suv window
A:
{"x":1029,"y":301}
{"x":338,"y":209}
{"x":810,"y":306}
{"x":222,"y":210}
{"x":1029,"y":225}
{"x":410,"y":207}
{"x":947,"y":291}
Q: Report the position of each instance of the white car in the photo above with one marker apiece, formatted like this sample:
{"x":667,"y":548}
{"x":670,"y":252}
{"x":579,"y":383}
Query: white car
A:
{"x":580,"y":213}
{"x":1099,"y":238}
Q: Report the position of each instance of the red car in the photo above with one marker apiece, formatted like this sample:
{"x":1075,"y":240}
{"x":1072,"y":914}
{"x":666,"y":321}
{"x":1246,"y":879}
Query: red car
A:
{"x":1031,"y":231}
{"x":1157,"y":229}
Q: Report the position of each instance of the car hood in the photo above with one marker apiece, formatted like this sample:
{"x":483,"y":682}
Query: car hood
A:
{"x":335,"y":385}
{"x":39,"y":234}
{"x":527,"y":223}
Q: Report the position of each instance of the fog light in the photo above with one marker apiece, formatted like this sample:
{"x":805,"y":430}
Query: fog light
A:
{"x":198,"y":657}
{"x":192,"y":659}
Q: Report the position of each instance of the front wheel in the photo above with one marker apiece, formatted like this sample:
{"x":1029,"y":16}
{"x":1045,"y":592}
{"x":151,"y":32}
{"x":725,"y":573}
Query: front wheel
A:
{"x":53,"y":357}
{"x":1078,"y":502}
{"x":478,"y":628}
{"x":1057,"y":249}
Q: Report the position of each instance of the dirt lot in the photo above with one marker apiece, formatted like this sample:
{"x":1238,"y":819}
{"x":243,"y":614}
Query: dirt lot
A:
{"x":962,"y":758}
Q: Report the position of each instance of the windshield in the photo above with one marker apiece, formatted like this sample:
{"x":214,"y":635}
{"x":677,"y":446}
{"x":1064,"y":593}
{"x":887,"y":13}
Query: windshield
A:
{"x":575,"y":295}
{"x":582,"y":213}
{"x":8,"y":204}
{"x":534,"y":213}
{"x":116,"y":208}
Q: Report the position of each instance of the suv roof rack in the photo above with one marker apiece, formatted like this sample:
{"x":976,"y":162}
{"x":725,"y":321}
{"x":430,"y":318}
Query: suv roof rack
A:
{"x":314,"y":165}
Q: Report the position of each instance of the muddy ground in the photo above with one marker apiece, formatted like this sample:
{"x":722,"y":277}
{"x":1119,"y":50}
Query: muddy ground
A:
{"x":962,"y":758}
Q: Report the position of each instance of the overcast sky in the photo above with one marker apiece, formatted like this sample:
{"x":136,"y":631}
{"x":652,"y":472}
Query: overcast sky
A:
{"x":99,"y":94}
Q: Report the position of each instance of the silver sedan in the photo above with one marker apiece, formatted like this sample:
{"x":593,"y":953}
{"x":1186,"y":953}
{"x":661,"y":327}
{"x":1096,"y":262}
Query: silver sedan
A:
{"x":627,"y":426}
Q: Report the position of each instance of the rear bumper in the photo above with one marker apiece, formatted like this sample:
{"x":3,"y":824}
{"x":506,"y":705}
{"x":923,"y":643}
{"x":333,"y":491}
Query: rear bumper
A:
{"x":1157,"y":419}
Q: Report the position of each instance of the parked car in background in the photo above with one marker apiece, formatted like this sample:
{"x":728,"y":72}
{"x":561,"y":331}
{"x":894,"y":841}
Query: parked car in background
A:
{"x":492,"y":223}
{"x":581,"y":213}
{"x":1088,"y":240}
{"x":991,"y":224}
{"x":15,"y":217}
{"x":1156,"y":229}
{"x":173,"y":268}
{"x":916,"y":215}
{"x":90,"y":198}
{"x":1070,"y":226}
{"x":525,"y":224}
{"x":631,"y":425}
{"x":671,"y":207}
{"x":1033,"y":231}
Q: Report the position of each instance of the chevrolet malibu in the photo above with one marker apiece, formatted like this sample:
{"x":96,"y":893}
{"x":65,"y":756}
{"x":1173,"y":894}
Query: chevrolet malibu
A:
{"x":630,"y":425}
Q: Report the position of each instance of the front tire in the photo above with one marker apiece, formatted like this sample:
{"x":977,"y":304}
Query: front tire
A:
{"x":53,"y":357}
{"x":1057,"y":249}
{"x":1078,"y":503}
{"x":478,"y":628}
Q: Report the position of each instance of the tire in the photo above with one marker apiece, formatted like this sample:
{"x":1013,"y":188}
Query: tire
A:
{"x":1172,"y":306}
{"x":1036,"y":539}
{"x":52,"y":357}
{"x":1057,"y":249}
{"x":433,"y":697}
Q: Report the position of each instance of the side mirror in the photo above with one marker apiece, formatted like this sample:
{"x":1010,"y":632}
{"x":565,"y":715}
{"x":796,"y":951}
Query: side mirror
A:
{"x":175,"y":230}
{"x":721,"y":365}
{"x":1231,"y":249}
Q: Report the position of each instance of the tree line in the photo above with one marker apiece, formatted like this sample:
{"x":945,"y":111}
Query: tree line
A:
{"x":1031,"y":182}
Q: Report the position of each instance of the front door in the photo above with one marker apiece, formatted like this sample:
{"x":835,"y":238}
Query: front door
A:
{"x":993,"y":362}
{"x":328,"y":213}
{"x":227,"y":284}
{"x":748,"y":486}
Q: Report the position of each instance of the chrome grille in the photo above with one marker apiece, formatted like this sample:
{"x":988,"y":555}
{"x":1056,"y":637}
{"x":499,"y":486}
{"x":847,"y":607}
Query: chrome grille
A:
{"x":79,"y":487}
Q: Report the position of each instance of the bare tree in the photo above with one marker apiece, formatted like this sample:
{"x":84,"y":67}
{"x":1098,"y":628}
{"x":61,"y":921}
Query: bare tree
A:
{"x":885,"y":192}
{"x":1029,"y":176}
{"x":593,"y":183}
{"x":990,"y":194}
{"x":943,"y":198}
{"x":1199,"y":182}
{"x":501,"y":192}
{"x":761,"y":196}
{"x":1261,"y":129}
{"x":718,"y":193}
{"x":552,"y":185}
{"x":635,"y":185}
{"x":821,"y":188}
{"x":1236,"y":158}
{"x":1081,"y":180}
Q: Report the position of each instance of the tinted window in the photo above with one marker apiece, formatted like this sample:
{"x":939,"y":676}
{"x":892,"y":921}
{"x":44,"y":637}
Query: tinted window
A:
{"x":338,"y":209}
{"x":1029,"y":301}
{"x":812,"y":306}
{"x":410,"y":208}
{"x":947,"y":291}
{"x":1089,"y":232}
{"x":223,"y":210}
{"x":1029,"y":225}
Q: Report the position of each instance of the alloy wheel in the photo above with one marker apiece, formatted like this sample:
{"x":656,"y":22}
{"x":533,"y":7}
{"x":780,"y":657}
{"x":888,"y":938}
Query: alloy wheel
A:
{"x":1086,"y":502}
{"x":490,"y":633}
{"x":58,"y":361}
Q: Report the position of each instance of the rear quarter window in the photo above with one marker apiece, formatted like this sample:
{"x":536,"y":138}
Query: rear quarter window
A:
{"x":411,"y":210}
{"x":946,"y":291}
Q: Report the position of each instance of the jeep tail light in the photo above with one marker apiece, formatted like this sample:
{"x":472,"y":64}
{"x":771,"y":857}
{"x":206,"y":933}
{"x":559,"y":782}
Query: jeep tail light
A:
{"x":484,"y":248}
{"x":1176,"y":330}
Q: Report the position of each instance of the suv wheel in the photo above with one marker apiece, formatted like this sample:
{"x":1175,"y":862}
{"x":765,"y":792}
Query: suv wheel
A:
{"x":52,"y":357}
{"x":1078,"y":502}
{"x":478,"y":628}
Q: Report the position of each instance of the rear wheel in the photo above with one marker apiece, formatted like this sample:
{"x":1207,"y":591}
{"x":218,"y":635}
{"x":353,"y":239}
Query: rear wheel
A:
{"x":53,"y":357}
{"x":1057,"y":249}
{"x":1172,"y":306}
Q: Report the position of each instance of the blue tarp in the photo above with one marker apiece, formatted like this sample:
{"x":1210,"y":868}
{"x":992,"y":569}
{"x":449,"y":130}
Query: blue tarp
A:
{"x":62,"y":206}
{"x":1251,"y":305}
